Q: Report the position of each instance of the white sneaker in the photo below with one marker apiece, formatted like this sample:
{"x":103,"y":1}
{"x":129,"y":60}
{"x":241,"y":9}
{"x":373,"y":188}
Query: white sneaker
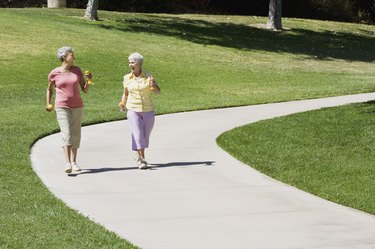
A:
{"x":68,"y":168}
{"x":143,"y":164}
{"x":75,"y":167}
{"x":138,"y":161}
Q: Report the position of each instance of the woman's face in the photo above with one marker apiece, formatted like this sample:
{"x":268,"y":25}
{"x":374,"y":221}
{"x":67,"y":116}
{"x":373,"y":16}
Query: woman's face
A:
{"x":135,"y":66}
{"x":69,"y":58}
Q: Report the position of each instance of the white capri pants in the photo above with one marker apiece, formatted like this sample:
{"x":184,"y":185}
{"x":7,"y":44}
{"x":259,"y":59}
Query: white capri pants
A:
{"x":70,"y":120}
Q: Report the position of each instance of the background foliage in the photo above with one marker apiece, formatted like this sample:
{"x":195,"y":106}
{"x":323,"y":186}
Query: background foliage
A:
{"x":339,"y":10}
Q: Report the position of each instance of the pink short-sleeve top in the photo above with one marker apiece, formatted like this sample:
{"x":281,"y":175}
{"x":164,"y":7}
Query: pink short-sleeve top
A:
{"x":67,"y":87}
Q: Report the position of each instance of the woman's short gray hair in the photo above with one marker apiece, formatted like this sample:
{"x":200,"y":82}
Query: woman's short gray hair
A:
{"x":136,"y":57}
{"x":62,"y":52}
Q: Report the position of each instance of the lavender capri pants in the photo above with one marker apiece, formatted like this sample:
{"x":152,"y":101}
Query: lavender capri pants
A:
{"x":140,"y":124}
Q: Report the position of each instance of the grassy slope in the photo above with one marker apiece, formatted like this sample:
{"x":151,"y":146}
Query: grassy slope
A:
{"x":328,"y":152}
{"x":200,"y":62}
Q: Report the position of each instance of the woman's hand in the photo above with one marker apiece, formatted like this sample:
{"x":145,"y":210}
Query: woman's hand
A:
{"x":153,"y":86}
{"x":121,"y":106}
{"x":49,"y":108}
{"x":88,"y":76}
{"x":151,"y":82}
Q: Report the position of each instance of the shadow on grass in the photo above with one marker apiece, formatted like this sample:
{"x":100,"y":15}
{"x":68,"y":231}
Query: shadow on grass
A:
{"x":368,"y":108}
{"x":317,"y":45}
{"x":151,"y":166}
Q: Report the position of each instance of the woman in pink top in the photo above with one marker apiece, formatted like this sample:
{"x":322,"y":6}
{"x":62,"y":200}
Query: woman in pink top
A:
{"x":66,"y":80}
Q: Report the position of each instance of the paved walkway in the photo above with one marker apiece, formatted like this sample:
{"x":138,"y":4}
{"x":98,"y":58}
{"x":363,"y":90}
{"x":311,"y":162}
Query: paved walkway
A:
{"x":196,"y":196}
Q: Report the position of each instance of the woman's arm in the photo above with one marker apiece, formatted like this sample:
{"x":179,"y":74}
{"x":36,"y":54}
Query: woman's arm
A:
{"x":154,"y":86}
{"x":156,"y":89}
{"x":49,"y":94}
{"x":83,"y":82}
{"x":124,"y":98}
{"x":84,"y":85}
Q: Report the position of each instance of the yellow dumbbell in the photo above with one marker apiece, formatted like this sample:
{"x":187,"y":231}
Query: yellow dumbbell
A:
{"x":49,"y":108}
{"x":89,"y":81}
{"x":121,"y":105}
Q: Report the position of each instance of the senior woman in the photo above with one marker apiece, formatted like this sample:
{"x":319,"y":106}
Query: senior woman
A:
{"x":136,"y":99}
{"x":67,"y":79}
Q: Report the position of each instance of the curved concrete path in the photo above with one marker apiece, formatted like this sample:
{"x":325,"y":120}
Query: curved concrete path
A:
{"x":196,"y":195}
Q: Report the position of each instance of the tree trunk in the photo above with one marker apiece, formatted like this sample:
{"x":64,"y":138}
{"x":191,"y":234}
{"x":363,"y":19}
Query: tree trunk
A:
{"x":56,"y":3}
{"x":274,"y":15}
{"x":92,"y":10}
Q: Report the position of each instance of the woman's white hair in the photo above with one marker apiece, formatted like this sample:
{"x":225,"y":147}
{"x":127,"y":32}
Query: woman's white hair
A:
{"x":136,"y":57}
{"x":62,"y":52}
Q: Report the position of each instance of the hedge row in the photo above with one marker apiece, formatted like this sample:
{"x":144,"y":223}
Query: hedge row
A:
{"x":340,"y":10}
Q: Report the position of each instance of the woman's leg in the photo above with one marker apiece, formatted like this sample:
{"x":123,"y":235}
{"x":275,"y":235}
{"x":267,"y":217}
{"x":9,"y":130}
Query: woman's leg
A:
{"x":73,"y":154}
{"x":76,"y":124}
{"x":148,"y":125}
{"x":148,"y":119}
{"x":141,"y":153}
{"x":63,"y":118}
{"x":75,"y":127}
{"x":140,"y":124}
{"x":75,"y":167}
{"x":135,"y":125}
{"x":67,"y":150}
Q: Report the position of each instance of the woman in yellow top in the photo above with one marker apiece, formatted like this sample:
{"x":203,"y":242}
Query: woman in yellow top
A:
{"x":136,"y":99}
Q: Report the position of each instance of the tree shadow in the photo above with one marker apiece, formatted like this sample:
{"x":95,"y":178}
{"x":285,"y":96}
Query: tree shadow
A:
{"x":323,"y":45}
{"x":369,"y":107}
{"x":152,"y":166}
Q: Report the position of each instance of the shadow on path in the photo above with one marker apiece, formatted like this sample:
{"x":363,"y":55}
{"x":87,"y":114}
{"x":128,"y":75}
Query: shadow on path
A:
{"x":181,"y":164}
{"x":152,"y":166}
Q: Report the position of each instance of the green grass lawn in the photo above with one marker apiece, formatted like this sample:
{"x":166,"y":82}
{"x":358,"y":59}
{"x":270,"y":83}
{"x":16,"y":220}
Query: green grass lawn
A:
{"x":200,"y":62}
{"x":328,"y":152}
